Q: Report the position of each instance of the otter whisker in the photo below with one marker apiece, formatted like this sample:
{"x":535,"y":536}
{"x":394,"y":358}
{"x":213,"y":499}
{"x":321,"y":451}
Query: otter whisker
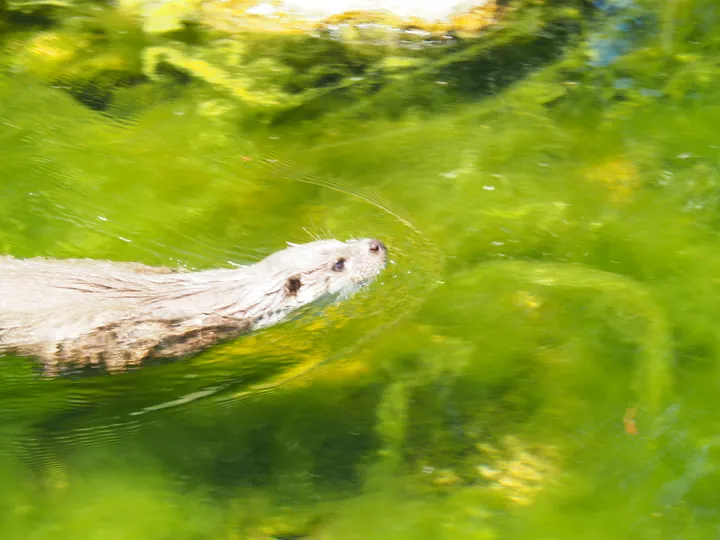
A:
{"x":311,"y":235}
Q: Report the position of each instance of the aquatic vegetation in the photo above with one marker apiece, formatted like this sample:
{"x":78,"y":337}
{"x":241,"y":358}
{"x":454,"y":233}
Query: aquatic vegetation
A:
{"x":102,"y":503}
{"x":96,"y":52}
{"x":517,"y":471}
{"x":263,"y":95}
{"x":620,"y":176}
{"x":159,"y":17}
{"x":542,"y":357}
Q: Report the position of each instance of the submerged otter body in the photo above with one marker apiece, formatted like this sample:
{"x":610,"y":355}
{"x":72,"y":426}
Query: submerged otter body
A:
{"x":77,"y":313}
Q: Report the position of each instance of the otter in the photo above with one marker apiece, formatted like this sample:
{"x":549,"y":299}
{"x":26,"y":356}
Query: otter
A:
{"x":78,"y":313}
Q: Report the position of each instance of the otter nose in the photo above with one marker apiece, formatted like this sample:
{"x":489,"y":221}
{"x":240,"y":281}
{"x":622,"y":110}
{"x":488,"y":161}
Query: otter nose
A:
{"x":377,"y":246}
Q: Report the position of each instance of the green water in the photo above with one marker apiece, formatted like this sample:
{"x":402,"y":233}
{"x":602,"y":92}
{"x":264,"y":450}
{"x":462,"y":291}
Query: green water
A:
{"x":539,"y":361}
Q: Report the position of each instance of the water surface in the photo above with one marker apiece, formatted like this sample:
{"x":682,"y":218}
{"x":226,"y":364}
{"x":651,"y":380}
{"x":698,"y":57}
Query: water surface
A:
{"x":539,"y":361}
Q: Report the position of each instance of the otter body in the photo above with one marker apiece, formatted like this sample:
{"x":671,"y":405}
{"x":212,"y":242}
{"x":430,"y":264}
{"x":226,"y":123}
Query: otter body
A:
{"x":77,"y":313}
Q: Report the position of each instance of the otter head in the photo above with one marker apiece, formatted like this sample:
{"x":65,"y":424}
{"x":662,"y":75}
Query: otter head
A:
{"x":306,"y":273}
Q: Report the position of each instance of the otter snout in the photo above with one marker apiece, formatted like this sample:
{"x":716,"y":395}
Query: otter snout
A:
{"x":376,"y":246}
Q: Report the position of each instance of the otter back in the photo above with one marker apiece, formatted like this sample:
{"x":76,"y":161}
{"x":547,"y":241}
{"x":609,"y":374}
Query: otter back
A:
{"x":77,"y":313}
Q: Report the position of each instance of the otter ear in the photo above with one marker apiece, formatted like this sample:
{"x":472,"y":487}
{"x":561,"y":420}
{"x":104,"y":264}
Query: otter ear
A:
{"x":292,"y":285}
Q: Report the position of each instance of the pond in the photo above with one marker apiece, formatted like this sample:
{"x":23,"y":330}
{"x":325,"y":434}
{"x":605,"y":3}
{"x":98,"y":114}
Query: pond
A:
{"x":539,"y":360}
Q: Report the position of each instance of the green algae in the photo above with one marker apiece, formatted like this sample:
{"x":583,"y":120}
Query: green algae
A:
{"x":555,"y":285}
{"x":96,"y":51}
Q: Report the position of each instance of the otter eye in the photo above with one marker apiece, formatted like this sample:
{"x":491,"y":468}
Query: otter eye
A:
{"x":293,"y":285}
{"x":339,"y":265}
